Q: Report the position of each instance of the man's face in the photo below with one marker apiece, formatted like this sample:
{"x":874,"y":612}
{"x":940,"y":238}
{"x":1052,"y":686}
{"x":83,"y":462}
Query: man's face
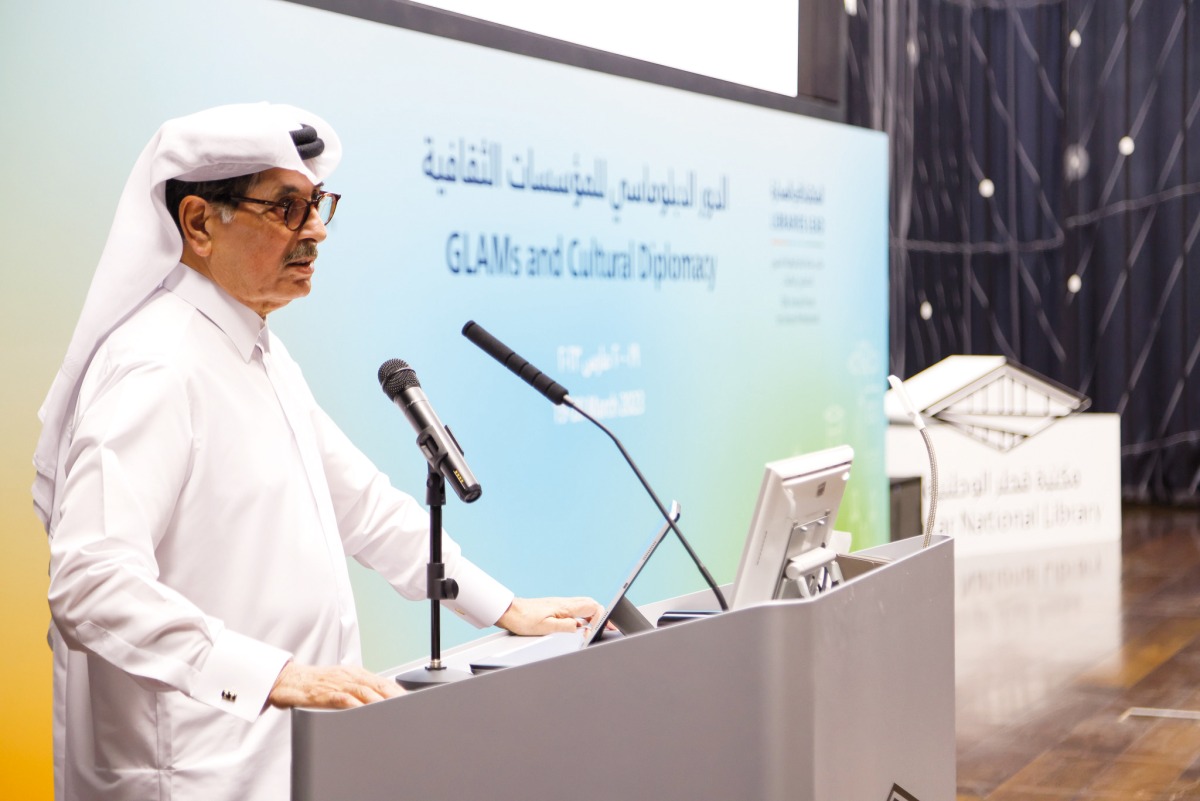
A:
{"x":255,"y":258}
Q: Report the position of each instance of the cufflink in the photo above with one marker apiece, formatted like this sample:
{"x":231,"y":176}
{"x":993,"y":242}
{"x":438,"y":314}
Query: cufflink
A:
{"x":228,"y":696}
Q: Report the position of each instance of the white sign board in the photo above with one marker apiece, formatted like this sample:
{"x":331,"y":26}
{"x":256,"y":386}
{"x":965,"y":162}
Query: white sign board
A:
{"x":1058,"y":487}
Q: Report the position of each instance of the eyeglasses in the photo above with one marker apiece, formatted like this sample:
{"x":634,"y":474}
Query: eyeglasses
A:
{"x":295,"y":210}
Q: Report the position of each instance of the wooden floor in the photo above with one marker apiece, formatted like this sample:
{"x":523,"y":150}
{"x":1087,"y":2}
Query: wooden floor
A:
{"x":1078,"y":670}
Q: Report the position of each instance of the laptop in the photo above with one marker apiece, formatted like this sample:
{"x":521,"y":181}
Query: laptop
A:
{"x":620,"y":613}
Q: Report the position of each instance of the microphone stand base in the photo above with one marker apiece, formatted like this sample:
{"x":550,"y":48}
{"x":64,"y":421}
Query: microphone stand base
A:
{"x":420,"y":678}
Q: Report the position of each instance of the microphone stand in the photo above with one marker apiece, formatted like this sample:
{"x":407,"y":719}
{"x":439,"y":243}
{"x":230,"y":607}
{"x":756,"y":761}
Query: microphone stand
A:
{"x":438,"y":588}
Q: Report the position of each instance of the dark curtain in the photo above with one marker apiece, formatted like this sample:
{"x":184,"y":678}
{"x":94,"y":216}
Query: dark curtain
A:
{"x":1045,"y":171}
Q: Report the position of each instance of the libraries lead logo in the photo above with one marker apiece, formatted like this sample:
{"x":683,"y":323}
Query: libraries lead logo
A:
{"x":988,"y":398}
{"x":898,"y":793}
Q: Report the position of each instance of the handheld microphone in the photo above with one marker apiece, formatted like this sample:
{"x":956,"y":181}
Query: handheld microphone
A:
{"x":400,"y":384}
{"x":557,"y":394}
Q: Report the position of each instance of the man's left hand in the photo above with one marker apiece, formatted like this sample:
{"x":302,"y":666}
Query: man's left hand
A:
{"x":534,"y":616}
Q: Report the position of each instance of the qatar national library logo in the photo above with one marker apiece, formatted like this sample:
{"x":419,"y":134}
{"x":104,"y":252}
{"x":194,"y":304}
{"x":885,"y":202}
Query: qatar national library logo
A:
{"x":988,"y":398}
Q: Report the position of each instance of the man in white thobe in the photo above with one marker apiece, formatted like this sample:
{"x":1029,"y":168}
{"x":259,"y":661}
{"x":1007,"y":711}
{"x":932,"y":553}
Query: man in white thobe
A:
{"x":199,"y":504}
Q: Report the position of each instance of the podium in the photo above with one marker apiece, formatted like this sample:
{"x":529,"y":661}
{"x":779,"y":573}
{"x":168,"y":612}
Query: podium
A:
{"x":845,"y":696}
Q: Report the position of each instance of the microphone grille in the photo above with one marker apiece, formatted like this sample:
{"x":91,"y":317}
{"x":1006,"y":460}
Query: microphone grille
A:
{"x":395,"y":376}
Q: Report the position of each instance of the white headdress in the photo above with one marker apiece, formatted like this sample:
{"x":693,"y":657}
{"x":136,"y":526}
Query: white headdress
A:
{"x":144,"y":245}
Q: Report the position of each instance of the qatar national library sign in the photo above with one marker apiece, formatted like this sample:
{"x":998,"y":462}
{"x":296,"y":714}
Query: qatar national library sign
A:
{"x":1019,"y":464}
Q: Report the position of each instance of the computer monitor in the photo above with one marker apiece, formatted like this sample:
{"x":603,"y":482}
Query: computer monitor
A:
{"x":792,"y":524}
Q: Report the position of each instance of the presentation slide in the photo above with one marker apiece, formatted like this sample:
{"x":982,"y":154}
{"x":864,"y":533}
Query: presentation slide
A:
{"x":707,"y":278}
{"x":753,"y":43}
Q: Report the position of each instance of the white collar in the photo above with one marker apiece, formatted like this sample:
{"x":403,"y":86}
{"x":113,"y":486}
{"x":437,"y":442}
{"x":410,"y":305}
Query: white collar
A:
{"x":240,"y":323}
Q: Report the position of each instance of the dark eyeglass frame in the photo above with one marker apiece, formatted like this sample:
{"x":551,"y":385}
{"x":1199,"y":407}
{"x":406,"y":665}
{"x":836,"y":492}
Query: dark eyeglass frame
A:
{"x":289,"y":203}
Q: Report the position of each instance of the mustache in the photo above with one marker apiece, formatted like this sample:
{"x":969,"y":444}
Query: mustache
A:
{"x":304,"y":251}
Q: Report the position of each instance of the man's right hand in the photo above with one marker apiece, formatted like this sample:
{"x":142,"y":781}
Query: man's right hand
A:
{"x":329,"y":687}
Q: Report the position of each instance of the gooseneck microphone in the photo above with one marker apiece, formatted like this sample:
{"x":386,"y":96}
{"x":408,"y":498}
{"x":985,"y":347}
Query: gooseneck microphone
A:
{"x":400,"y":384}
{"x":553,"y":391}
{"x":557,"y":394}
{"x":910,"y":409}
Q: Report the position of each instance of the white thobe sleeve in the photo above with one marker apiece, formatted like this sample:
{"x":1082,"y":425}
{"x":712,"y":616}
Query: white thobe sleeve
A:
{"x":388,"y":531}
{"x":129,"y":456}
